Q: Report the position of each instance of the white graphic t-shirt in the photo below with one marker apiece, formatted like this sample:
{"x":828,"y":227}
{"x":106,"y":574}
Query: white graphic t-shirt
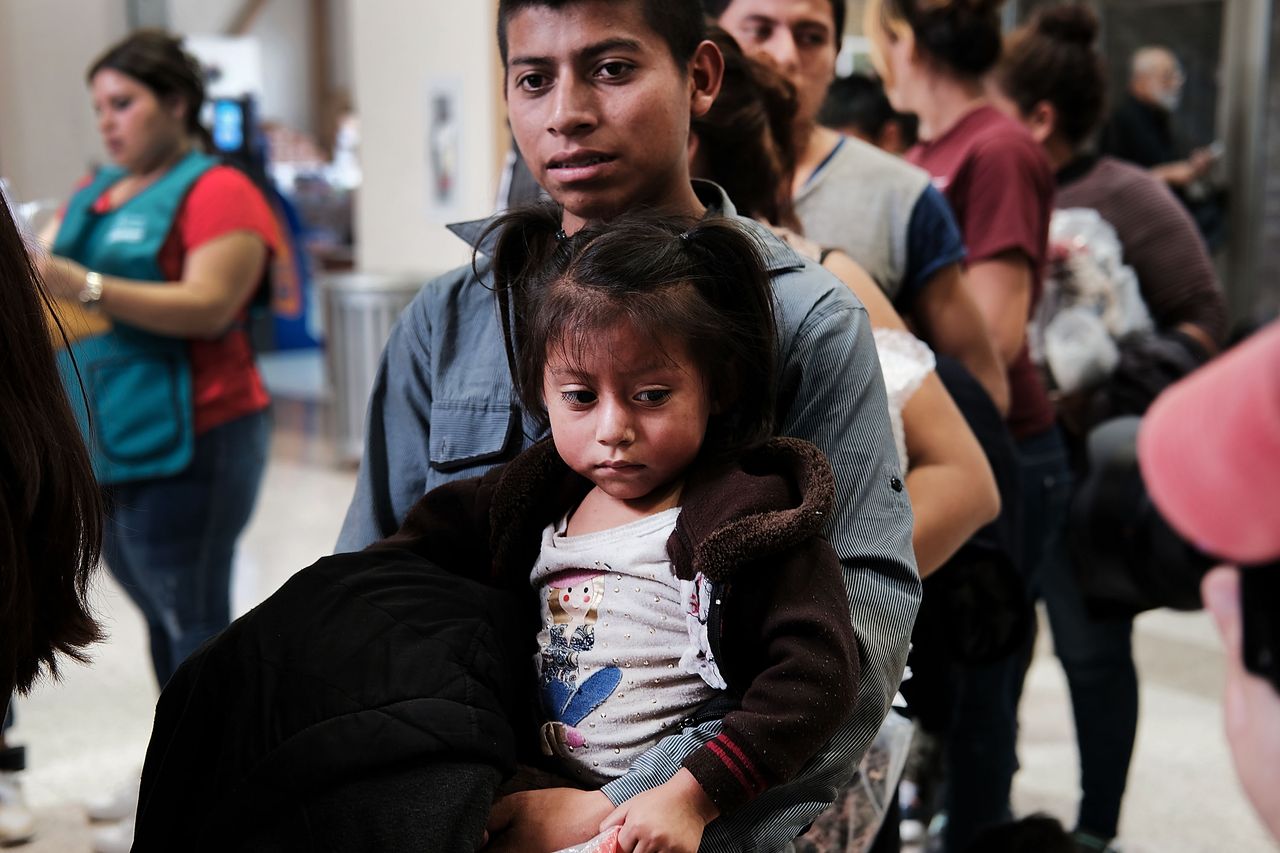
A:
{"x":623,"y":652}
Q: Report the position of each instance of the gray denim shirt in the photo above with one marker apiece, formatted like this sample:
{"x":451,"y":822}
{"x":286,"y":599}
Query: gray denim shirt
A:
{"x":443,"y":407}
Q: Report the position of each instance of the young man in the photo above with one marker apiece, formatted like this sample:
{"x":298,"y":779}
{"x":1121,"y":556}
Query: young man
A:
{"x":600,"y":95}
{"x":850,"y":195}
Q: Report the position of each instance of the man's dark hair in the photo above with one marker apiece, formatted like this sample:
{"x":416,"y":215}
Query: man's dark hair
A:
{"x":856,"y":101}
{"x":678,"y":22}
{"x":716,"y":8}
{"x":701,"y":282}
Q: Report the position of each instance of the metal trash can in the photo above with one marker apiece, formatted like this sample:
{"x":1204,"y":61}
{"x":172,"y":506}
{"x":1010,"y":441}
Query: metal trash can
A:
{"x":359,"y":310}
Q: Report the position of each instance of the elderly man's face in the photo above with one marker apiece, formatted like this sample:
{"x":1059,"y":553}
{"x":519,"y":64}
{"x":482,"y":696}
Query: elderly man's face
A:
{"x":1160,"y":80}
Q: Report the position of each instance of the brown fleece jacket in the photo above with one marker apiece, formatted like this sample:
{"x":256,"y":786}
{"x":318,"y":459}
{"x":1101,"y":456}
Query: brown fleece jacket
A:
{"x":779,"y":625}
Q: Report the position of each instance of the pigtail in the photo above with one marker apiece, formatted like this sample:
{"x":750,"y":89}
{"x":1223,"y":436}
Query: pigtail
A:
{"x":735,"y":282}
{"x":527,"y":240}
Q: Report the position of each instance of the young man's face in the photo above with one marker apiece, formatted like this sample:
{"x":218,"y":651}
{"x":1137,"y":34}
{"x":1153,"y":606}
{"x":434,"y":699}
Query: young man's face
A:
{"x":599,"y":108}
{"x":797,"y":35}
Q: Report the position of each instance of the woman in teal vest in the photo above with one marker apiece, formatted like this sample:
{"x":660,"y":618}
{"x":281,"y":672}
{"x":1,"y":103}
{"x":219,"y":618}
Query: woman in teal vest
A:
{"x":164,"y":248}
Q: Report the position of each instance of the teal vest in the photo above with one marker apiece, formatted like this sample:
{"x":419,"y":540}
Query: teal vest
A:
{"x":140,"y":419}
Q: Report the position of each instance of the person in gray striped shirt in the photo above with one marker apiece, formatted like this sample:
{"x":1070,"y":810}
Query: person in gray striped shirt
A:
{"x":600,"y":98}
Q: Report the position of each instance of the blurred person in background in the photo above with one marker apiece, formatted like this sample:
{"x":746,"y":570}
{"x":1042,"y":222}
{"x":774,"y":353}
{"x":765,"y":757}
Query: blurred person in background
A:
{"x":1209,"y":451}
{"x":743,"y":144}
{"x":932,"y":57}
{"x":1141,"y":130}
{"x":1052,"y":80}
{"x":168,"y":247}
{"x":857,"y":106}
{"x":850,"y":195}
{"x":50,"y":512}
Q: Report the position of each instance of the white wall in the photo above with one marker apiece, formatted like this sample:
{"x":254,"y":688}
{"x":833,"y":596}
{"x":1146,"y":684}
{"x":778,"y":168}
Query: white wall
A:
{"x":400,"y":46}
{"x":284,"y":30}
{"x":47,"y":135}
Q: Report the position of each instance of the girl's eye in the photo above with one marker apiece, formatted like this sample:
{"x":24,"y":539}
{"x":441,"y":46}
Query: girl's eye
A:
{"x":654,"y":396}
{"x":578,"y":398}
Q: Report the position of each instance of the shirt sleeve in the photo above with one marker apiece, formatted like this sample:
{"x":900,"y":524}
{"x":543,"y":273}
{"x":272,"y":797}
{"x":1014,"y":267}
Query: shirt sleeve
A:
{"x":1166,"y":251}
{"x":224,"y":201}
{"x":933,"y":242}
{"x":1007,"y":203}
{"x":832,"y":395}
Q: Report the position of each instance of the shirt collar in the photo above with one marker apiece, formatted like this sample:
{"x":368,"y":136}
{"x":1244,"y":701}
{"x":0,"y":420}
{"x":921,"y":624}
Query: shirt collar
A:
{"x":778,"y":256}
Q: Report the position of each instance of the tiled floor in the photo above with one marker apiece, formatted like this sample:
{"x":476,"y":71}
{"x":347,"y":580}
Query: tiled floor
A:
{"x":89,"y":731}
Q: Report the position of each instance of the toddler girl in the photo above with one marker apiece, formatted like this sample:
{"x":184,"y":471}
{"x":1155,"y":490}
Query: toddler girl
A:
{"x":676,"y":552}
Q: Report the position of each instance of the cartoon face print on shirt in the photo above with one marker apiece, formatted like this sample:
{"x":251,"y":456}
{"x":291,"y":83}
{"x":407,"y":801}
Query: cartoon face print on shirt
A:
{"x":573,"y":600}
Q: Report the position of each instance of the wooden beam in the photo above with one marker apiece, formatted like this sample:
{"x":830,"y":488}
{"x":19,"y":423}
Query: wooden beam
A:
{"x":244,"y":19}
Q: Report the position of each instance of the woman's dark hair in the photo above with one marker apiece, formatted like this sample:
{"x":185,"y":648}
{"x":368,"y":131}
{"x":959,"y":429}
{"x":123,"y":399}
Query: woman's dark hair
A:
{"x":1052,"y":58}
{"x":679,"y":22}
{"x":156,"y":60}
{"x":745,"y":140}
{"x":701,"y":282}
{"x":50,"y":505}
{"x":963,"y":36}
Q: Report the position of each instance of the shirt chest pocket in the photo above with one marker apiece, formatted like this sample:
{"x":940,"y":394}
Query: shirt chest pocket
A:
{"x":471,"y":431}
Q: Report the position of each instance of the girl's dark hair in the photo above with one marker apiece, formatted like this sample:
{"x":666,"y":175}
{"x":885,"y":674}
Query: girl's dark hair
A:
{"x":1052,"y":58}
{"x":50,"y":505}
{"x":745,"y":142}
{"x":963,"y":36}
{"x":156,"y":60}
{"x":701,"y":282}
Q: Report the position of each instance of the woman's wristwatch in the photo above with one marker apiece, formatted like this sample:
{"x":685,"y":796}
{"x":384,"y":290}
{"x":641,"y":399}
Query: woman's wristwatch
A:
{"x":91,"y":293}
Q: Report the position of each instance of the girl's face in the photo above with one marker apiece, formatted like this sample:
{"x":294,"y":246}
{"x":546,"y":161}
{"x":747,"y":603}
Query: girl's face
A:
{"x":629,"y":414}
{"x":139,"y":130}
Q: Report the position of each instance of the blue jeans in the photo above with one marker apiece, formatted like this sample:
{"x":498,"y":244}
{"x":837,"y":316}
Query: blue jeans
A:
{"x":170,"y":541}
{"x":981,"y":755}
{"x":1097,"y":657}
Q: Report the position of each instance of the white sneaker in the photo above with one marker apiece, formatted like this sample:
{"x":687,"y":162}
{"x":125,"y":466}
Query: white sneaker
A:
{"x":17,"y":823}
{"x":117,"y":838}
{"x":118,"y":804}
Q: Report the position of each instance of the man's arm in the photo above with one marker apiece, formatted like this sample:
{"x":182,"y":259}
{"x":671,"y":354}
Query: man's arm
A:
{"x":393,"y":469}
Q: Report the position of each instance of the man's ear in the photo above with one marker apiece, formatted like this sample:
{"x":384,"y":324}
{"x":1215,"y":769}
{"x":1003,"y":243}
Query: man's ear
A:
{"x":706,"y":73}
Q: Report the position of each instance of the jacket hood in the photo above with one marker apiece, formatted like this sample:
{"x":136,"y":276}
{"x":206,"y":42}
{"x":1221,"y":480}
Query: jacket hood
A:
{"x":765,"y":502}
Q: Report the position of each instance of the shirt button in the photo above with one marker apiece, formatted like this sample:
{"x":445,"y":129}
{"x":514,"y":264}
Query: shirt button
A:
{"x":896,"y":484}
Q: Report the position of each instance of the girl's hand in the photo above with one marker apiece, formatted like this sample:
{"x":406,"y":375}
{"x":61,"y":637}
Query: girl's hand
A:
{"x":63,"y":279}
{"x":667,"y":819}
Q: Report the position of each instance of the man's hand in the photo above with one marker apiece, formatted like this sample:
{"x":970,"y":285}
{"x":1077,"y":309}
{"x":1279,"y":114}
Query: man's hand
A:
{"x":545,"y":821}
{"x":667,"y":819}
{"x":1252,"y":706}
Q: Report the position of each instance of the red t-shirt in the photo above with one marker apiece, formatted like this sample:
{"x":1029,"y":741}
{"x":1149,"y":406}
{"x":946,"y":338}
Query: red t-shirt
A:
{"x":1001,"y":187}
{"x":225,"y":380}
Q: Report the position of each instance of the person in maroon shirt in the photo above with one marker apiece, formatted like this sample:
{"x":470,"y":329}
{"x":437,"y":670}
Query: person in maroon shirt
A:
{"x":933,"y":56}
{"x":1052,"y":80}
